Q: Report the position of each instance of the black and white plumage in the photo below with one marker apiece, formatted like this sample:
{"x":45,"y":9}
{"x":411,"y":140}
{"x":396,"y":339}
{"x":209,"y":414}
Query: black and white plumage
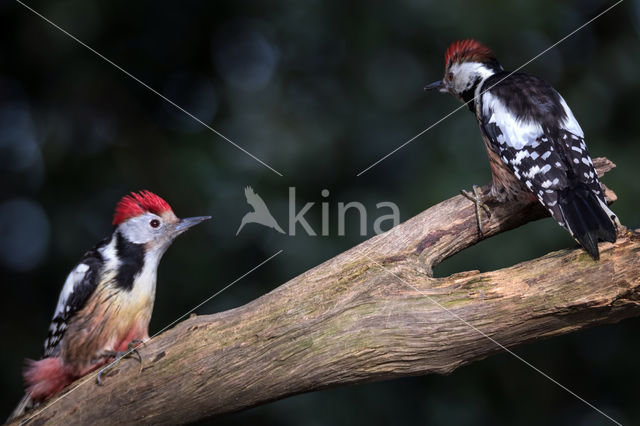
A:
{"x":535,"y":143}
{"x":79,"y":285}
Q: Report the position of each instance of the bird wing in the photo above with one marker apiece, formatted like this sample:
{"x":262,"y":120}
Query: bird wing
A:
{"x":545,"y":160}
{"x":248,"y":192}
{"x":571,"y":144}
{"x":526,"y":150}
{"x":552,"y":161}
{"x":79,"y":285}
{"x":255,"y":200}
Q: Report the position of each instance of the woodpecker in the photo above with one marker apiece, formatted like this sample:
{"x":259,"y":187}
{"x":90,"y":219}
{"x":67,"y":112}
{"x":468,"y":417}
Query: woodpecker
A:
{"x":106,"y":302}
{"x":535,"y":145}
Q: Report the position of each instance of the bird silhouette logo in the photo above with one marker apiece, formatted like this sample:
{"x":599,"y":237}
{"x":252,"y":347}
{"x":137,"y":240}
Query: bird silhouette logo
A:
{"x":260,"y":213}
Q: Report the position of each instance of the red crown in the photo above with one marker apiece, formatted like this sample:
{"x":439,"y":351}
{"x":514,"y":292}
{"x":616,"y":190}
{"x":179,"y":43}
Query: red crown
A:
{"x":139,"y":203}
{"x":467,"y":51}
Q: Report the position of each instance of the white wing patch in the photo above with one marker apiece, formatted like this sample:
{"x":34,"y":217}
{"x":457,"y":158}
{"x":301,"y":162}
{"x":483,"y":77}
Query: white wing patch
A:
{"x":516,"y":133}
{"x":75,"y":276}
{"x":58,"y":324}
{"x":59,"y":321}
{"x":77,"y":288}
{"x":570,"y":124}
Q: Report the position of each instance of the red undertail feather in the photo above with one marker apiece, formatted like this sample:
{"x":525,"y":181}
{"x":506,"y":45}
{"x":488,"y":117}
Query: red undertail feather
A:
{"x":467,"y":51}
{"x":46,"y":377}
{"x":49,"y":376}
{"x":139,"y":203}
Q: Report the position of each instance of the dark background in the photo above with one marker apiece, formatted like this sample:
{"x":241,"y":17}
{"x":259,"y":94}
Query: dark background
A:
{"x":319,"y":90}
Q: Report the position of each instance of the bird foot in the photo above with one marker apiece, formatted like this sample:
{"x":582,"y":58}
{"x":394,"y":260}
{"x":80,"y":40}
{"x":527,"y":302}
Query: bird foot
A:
{"x":478,"y":199}
{"x":131,"y":352}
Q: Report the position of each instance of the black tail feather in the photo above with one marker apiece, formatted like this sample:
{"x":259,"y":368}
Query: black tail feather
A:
{"x":585,"y":218}
{"x":26,"y":404}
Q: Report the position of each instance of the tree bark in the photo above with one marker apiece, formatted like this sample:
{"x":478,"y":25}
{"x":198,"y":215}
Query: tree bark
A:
{"x":372,"y":313}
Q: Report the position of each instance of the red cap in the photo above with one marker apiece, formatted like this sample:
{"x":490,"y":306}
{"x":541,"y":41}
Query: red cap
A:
{"x":137,"y":204}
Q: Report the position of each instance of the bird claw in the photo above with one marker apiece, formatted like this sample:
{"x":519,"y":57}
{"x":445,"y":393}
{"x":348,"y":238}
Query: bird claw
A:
{"x":132,"y":349}
{"x":131,"y":352}
{"x":478,"y":199}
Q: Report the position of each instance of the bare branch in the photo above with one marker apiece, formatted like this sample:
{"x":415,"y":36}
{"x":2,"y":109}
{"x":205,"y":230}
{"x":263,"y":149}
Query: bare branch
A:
{"x":371,"y":313}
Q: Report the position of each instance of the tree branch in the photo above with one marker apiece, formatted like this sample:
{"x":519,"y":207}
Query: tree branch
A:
{"x":372,"y":313}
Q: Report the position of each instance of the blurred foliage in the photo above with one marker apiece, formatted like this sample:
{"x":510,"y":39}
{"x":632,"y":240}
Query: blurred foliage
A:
{"x":319,"y":91}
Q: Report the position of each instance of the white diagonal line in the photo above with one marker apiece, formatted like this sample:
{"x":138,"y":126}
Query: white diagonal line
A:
{"x":492,"y":340}
{"x":142,"y":83}
{"x":494,"y":85}
{"x":217,"y":293}
{"x":91,"y":376}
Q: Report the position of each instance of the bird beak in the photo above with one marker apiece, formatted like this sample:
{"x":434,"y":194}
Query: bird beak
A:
{"x":187,"y":223}
{"x":437,"y":85}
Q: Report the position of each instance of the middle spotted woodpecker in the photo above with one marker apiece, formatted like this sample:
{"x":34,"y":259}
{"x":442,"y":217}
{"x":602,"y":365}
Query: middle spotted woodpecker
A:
{"x":536,"y":146}
{"x":107,"y":299}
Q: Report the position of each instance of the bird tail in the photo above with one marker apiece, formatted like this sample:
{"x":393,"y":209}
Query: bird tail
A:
{"x":587,"y":217}
{"x":25,"y":404}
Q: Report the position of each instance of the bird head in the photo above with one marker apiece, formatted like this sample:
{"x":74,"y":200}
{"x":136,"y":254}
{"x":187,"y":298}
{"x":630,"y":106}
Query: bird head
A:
{"x":467,"y":64}
{"x":145,"y":218}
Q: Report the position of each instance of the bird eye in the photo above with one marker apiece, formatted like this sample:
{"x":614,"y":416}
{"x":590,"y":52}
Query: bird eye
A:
{"x":450,"y":76}
{"x":154,"y":223}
